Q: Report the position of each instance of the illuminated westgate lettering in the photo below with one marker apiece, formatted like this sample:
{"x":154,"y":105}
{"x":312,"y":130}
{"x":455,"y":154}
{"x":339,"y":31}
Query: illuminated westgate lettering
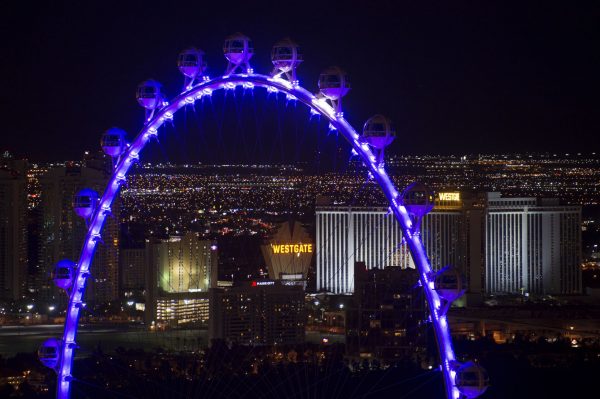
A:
{"x":292,"y":248}
{"x":449,"y":196}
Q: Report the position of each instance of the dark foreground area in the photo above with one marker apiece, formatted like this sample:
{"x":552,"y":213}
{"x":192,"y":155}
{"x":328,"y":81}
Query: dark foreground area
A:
{"x":519,"y":370}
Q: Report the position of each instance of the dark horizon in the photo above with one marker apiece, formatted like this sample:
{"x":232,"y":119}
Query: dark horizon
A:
{"x":455,"y":78}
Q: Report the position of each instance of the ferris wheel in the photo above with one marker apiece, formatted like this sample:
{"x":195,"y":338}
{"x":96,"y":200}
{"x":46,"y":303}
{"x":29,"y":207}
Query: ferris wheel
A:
{"x":441,"y":288}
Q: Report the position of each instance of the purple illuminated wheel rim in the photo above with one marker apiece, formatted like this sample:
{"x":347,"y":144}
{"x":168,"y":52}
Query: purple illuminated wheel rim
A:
{"x":337,"y":121}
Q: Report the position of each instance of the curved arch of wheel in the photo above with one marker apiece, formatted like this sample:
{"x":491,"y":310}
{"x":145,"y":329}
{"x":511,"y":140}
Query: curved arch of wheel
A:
{"x":293,"y":92}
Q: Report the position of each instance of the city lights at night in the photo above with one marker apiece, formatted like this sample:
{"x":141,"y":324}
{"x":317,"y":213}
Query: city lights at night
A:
{"x":370,"y":200}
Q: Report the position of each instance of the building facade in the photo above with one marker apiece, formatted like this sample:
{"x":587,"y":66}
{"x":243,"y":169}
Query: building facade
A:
{"x":345,"y":235}
{"x":62,"y":232}
{"x":182,"y":308}
{"x":386,"y":320}
{"x":180,"y":271}
{"x":264,"y":312}
{"x":13,"y":228}
{"x":501,"y":245}
{"x":532,"y":246}
{"x":132,"y":263}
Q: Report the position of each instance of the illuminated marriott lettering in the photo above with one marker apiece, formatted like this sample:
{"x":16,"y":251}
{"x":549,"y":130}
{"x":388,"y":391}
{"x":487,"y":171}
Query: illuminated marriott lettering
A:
{"x":292,"y":248}
{"x":449,"y":196}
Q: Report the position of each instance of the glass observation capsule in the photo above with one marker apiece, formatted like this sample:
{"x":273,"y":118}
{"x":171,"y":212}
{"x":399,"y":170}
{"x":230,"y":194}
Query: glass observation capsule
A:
{"x":471,"y":380}
{"x":418,"y":200}
{"x":113,"y":142}
{"x":149,"y":94}
{"x":49,"y":353}
{"x":191,"y":62}
{"x":238,"y":48}
{"x":448,"y":283}
{"x":378,"y":132}
{"x":63,"y":274}
{"x":286,"y":55}
{"x":334,"y":83}
{"x":85,"y":202}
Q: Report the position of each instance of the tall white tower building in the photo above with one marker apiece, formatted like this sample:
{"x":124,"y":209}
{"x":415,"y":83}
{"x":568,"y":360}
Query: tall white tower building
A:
{"x":532,"y":246}
{"x":501,"y":245}
{"x":345,"y":235}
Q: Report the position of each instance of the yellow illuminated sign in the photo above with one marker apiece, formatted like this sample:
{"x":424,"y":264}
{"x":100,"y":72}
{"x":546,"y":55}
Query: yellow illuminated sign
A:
{"x":292,"y":248}
{"x":449,"y":196}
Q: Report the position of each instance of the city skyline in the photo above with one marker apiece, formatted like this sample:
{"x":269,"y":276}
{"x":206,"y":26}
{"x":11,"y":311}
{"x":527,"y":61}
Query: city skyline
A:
{"x":236,"y":201}
{"x":338,"y":190}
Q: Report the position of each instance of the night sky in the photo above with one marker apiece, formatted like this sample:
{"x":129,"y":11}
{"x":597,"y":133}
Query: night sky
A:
{"x":455,"y":77}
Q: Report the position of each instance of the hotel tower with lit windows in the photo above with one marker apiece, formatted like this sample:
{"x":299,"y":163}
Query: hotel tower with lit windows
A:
{"x":181,"y":269}
{"x":501,"y":245}
{"x":532,"y":246}
{"x":346,"y":235}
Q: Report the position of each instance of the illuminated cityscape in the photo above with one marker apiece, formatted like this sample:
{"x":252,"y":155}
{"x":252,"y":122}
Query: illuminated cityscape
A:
{"x":164,"y":204}
{"x":394,"y":201}
{"x":166,"y":195}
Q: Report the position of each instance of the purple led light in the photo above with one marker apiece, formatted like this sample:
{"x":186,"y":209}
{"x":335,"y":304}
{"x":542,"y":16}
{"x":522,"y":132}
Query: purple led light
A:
{"x":206,"y":87}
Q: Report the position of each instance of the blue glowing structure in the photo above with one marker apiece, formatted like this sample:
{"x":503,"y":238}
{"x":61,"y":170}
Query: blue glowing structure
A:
{"x":333,"y":84}
{"x":286,"y":56}
{"x":192,"y":65}
{"x":63,"y":274}
{"x":378,"y":132}
{"x":85,"y":202}
{"x":49,"y":353}
{"x":238,"y":50}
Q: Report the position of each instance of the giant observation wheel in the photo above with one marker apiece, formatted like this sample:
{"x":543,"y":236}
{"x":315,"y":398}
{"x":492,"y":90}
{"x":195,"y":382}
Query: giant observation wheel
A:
{"x":461,"y":380}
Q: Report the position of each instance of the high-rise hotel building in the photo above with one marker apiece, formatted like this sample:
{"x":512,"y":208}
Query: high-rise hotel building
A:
{"x":345,"y":235}
{"x":532,"y":246}
{"x":62,"y":232}
{"x":180,"y":271}
{"x":13,"y":228}
{"x":501,"y":245}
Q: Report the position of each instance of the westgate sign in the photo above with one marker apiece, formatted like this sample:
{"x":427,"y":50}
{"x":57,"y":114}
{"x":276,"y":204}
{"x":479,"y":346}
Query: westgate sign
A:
{"x":291,"y":248}
{"x":449,"y":196}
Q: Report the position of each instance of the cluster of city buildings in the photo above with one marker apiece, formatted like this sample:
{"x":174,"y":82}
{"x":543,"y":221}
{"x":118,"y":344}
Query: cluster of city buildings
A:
{"x":524,"y":246}
{"x":41,"y":229}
